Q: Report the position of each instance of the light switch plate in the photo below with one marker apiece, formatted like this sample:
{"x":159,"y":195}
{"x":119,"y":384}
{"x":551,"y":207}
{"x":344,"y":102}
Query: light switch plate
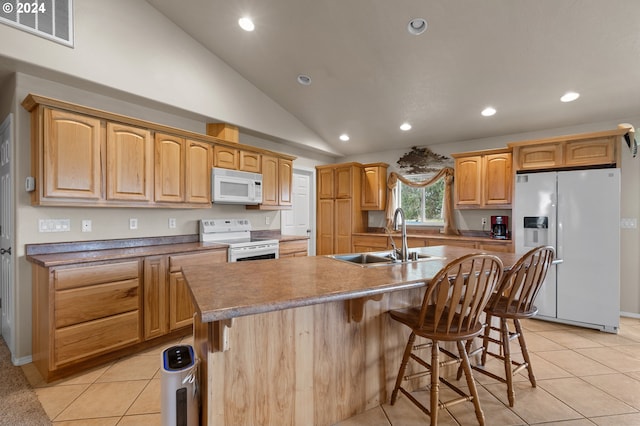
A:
{"x":54,"y":225}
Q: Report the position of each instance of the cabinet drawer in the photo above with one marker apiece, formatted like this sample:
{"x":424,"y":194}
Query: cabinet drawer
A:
{"x":289,"y":247}
{"x":92,"y":338}
{"x":213,"y":256}
{"x":97,"y":274}
{"x":89,"y":303}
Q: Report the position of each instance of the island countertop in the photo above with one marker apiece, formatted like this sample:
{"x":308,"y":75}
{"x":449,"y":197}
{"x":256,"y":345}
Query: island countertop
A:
{"x":225,"y":291}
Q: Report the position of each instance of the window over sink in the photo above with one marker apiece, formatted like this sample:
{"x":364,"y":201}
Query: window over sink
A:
{"x":423,"y":206}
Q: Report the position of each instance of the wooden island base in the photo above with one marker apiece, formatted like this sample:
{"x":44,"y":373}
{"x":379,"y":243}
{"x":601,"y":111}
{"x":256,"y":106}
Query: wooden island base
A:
{"x":310,"y":341}
{"x":303,"y":366}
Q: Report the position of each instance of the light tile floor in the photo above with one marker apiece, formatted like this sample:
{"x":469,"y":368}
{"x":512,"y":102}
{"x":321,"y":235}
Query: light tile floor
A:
{"x":585,"y":377}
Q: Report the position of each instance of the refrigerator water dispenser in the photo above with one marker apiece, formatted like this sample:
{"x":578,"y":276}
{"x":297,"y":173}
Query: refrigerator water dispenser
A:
{"x":536,"y":231}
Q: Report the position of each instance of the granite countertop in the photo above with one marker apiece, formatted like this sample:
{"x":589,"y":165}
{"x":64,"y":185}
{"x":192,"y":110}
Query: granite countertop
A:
{"x":225,"y":291}
{"x":60,"y":254}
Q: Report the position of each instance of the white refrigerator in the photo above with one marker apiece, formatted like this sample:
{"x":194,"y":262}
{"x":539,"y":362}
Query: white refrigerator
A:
{"x":578,"y":213}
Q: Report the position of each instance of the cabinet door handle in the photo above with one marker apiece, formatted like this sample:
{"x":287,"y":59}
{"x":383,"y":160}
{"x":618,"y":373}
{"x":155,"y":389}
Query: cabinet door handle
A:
{"x":3,"y":251}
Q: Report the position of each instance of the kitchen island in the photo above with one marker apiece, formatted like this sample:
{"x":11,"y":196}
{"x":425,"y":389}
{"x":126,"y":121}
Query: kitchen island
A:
{"x":302,"y":341}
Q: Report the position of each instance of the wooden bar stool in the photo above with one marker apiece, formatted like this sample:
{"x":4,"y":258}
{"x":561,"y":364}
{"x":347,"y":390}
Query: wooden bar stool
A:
{"x":514,"y":301}
{"x":450,"y":312}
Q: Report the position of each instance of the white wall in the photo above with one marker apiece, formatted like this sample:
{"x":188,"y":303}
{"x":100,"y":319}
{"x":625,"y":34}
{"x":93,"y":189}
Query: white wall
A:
{"x":131,"y":47}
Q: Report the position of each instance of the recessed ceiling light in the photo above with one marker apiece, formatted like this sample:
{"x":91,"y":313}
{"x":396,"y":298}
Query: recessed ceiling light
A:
{"x":570,"y":97}
{"x":305,"y":80}
{"x":417,"y":26}
{"x":405,"y":127}
{"x":488,"y":111}
{"x":246,"y":24}
{"x":344,"y":137}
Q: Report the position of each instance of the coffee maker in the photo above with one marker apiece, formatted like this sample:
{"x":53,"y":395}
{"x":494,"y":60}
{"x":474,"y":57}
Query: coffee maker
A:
{"x":500,"y":227}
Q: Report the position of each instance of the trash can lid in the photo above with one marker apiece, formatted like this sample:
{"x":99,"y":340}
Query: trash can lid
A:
{"x":178,"y":357}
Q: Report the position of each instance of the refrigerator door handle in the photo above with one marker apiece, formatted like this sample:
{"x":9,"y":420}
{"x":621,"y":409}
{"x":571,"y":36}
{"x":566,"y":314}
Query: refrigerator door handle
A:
{"x":557,"y":261}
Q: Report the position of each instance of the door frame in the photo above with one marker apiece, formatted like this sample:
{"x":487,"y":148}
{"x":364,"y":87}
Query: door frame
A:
{"x":8,"y":306}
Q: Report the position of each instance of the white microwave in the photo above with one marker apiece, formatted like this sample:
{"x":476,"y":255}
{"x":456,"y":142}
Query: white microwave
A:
{"x":235,"y":187}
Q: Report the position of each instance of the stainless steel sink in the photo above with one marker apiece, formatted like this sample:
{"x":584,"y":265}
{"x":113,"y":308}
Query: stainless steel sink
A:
{"x":381,"y":258}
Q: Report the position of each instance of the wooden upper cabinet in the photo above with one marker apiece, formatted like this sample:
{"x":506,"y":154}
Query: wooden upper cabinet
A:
{"x":468,"y":181}
{"x":226,"y":157}
{"x":326,"y":185}
{"x":129,"y":163}
{"x":269,"y":180}
{"x":374,"y":187}
{"x":498,"y":177}
{"x":198,"y":172}
{"x":285,"y":181}
{"x":277,"y":178}
{"x":590,"y":152}
{"x":570,"y":151}
{"x":82,"y":156}
{"x":169,"y":168}
{"x":544,"y":156}
{"x":344,"y":179}
{"x":72,"y":146}
{"x":250,"y":162}
{"x":483,"y":180}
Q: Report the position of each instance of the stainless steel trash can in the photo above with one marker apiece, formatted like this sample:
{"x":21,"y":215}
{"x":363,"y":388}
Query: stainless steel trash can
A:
{"x":179,"y":387}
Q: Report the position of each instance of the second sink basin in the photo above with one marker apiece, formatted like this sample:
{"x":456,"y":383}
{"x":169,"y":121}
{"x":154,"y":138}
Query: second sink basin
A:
{"x":363,"y":258}
{"x":381,"y":258}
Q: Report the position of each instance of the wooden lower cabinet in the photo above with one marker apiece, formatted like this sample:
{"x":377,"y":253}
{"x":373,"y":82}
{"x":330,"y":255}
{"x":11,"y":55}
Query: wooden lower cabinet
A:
{"x":294,"y":248}
{"x":155,"y":297}
{"x":379,"y":242}
{"x":86,"y":314}
{"x":180,"y":307}
{"x":81,"y":312}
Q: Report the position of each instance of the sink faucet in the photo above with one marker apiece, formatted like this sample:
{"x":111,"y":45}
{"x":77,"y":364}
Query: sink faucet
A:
{"x":404,"y":251}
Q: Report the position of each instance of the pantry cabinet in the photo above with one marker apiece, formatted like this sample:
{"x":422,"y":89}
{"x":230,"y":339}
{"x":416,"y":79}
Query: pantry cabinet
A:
{"x":483,"y":179}
{"x":339,"y":216}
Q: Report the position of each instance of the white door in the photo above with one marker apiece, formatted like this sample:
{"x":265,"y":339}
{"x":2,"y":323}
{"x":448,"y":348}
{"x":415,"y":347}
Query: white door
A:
{"x":6,"y":232}
{"x":297,"y":221}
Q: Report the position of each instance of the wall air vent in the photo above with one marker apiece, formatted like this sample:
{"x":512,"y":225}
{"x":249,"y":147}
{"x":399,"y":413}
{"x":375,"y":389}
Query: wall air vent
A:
{"x":51,"y":19}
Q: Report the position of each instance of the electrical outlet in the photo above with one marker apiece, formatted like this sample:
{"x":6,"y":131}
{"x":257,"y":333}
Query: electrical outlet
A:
{"x":133,"y":223}
{"x":86,"y":225}
{"x":172,"y":222}
{"x":484,"y":221}
{"x":267,"y":220}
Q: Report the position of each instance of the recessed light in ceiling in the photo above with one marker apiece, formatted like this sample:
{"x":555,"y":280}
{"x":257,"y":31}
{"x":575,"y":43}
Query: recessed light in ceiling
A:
{"x":405,"y":127}
{"x":570,"y":97}
{"x":305,"y":80}
{"x":246,"y":24}
{"x":488,"y":111}
{"x":344,"y":137}
{"x":417,"y":26}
